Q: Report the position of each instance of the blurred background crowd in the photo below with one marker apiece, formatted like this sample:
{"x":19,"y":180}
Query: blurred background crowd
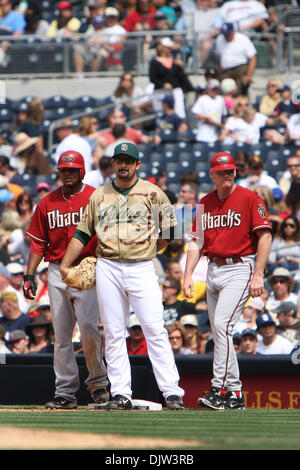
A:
{"x":178,"y":121}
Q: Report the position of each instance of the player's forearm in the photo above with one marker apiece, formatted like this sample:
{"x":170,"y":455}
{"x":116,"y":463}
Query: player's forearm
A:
{"x":74,"y":249}
{"x":263,"y":252}
{"x":33,"y":262}
{"x":193,"y":256}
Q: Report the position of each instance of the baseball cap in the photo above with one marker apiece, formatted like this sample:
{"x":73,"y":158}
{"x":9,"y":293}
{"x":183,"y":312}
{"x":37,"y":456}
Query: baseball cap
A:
{"x":189,"y":320}
{"x":98,"y":20}
{"x":249,"y":332}
{"x":227,"y":28}
{"x":126,"y":148}
{"x":211,"y":73}
{"x":169,"y":100}
{"x":277,"y":194}
{"x":228,"y":85}
{"x":167,"y":42}
{"x":280,"y":272}
{"x":64,"y":124}
{"x":255,"y":162}
{"x":264,"y":319}
{"x":222,"y":161}
{"x":133,"y":321}
{"x":257,"y":303}
{"x":16,"y":335}
{"x":44,"y":302}
{"x":43,"y":186}
{"x":15,"y":268}
{"x":111,"y":11}
{"x":5,"y":196}
{"x":213,"y":83}
{"x":286,"y":307}
{"x":160,"y":15}
{"x":284,"y":88}
{"x":42,"y":267}
{"x":63,"y":5}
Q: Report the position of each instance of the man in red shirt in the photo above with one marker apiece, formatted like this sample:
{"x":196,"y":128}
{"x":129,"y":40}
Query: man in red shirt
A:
{"x":232,"y":229}
{"x":117,"y":116}
{"x":136,"y":342}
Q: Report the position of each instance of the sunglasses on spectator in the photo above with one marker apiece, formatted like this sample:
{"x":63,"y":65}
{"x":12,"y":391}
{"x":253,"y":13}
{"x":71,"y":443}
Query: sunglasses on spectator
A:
{"x":293,"y":165}
{"x":164,"y":286}
{"x":280,"y":281}
{"x":175,"y":337}
{"x":288,"y":224}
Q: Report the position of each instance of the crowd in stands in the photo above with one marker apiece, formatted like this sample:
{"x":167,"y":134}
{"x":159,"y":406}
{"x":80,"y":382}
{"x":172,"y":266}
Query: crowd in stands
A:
{"x":186,"y":126}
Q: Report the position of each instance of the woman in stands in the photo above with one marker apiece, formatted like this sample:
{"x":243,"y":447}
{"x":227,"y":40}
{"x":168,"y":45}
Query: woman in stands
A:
{"x":25,"y":206}
{"x":293,"y":198}
{"x":31,"y":125}
{"x":129,"y":95}
{"x":285,"y":250}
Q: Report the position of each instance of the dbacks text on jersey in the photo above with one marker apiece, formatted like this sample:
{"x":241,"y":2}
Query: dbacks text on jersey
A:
{"x":58,"y":220}
{"x":228,"y":220}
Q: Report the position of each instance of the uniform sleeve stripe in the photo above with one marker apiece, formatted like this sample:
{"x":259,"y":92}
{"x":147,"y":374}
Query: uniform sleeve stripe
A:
{"x":262,"y":226}
{"x":36,"y":238}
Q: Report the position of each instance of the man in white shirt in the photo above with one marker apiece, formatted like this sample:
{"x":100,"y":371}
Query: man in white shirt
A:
{"x":257,"y":176}
{"x":102,"y":175}
{"x":237,"y":57}
{"x":271,"y":342}
{"x":71,"y":141}
{"x":247,"y":15}
{"x":210,"y":110}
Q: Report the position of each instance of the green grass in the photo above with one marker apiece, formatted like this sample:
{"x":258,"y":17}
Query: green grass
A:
{"x":252,"y":429}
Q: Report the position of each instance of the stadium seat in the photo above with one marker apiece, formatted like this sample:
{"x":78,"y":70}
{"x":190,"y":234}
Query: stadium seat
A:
{"x":202,"y":171}
{"x":6,"y":115}
{"x":168,"y":135}
{"x":173,"y":173}
{"x":186,"y":162}
{"x":200,"y":150}
{"x":157,"y":159}
{"x":54,"y":102}
{"x":145,"y":171}
{"x":144,"y":152}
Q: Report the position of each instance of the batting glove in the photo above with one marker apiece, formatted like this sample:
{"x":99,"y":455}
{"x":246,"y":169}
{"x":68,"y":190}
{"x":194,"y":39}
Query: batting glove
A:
{"x":29,"y":286}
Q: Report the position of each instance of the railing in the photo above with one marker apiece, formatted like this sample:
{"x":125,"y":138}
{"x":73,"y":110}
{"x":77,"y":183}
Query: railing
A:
{"x":29,"y":56}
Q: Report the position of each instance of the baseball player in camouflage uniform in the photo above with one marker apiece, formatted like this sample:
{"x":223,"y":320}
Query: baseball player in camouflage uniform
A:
{"x":233,"y":230}
{"x":52,"y":226}
{"x":132,"y":219}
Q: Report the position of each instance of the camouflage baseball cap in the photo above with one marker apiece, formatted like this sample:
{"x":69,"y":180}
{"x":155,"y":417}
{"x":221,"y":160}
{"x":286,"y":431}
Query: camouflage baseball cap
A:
{"x":126,"y":148}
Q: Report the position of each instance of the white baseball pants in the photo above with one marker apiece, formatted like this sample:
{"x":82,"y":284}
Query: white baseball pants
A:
{"x":227,"y":292}
{"x":119,"y":285}
{"x":66,"y":309}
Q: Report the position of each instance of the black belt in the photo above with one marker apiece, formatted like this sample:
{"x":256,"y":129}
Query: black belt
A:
{"x":223,"y":261}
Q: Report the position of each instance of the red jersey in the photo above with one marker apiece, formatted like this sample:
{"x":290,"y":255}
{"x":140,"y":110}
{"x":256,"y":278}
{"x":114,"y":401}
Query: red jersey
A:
{"x":54,"y":222}
{"x":229,"y":225}
{"x":141,"y":349}
{"x":131,"y":134}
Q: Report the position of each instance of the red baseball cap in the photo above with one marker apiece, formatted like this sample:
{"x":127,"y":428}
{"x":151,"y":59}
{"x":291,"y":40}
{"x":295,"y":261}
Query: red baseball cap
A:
{"x":222,"y":161}
{"x":63,"y":5}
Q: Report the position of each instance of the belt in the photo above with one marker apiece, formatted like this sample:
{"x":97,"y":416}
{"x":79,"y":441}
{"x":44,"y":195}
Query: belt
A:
{"x":223,"y":261}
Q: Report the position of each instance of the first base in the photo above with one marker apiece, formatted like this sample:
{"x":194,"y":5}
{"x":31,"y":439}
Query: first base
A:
{"x":141,"y":405}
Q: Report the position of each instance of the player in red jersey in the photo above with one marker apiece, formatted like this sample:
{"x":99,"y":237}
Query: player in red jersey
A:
{"x":52,"y":226}
{"x":232,"y":229}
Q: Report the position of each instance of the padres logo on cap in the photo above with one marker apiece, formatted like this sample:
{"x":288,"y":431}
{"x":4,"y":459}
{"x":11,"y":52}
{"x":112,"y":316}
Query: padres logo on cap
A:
{"x":124,"y":147}
{"x":222,"y":160}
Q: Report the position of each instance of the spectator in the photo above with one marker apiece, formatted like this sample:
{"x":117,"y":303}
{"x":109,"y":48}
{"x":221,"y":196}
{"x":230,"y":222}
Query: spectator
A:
{"x":292,"y":129}
{"x":174,"y":271}
{"x":233,"y":130}
{"x":281,"y":282}
{"x":169,"y":119}
{"x":13,"y":318}
{"x":247,"y":15}
{"x":285,"y":107}
{"x":11,"y":22}
{"x":42,"y":189}
{"x":242,"y":163}
{"x":237,"y":342}
{"x":3,"y":348}
{"x":210,"y":111}
{"x":128,"y":90}
{"x":293,"y":198}
{"x":21,"y":115}
{"x":271,"y":342}
{"x":237,"y":57}
{"x":35,"y":24}
{"x":292,"y":171}
{"x":94,"y":7}
{"x":176,"y":336}
{"x":193,"y":338}
{"x":16,"y":271}
{"x":271,"y":99}
{"x":9,"y":173}
{"x":88,"y":125}
{"x":66,"y":24}
{"x":285,"y":250}
{"x":18,"y":342}
{"x":279,"y":203}
{"x":39,"y":332}
{"x":249,"y":341}
{"x":14,"y":189}
{"x":288,"y":321}
{"x":165,"y":7}
{"x":19,"y":245}
{"x":6,"y":285}
{"x":174,"y":309}
{"x":136,"y":341}
{"x":28,"y":158}
{"x":229,"y":92}
{"x":141,"y":18}
{"x":71,"y":140}
{"x":116,"y":36}
{"x":185,"y":214}
{"x":25,"y":206}
{"x":117,"y":116}
{"x":267,"y":195}
{"x":42,"y":281}
{"x":44,"y":307}
{"x":251,"y":310}
{"x":257,"y":175}
{"x":104,"y":173}
{"x":253,"y":122}
{"x":167,"y":73}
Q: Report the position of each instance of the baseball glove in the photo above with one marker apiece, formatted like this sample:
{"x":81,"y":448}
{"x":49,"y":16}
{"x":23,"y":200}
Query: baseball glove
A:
{"x":82,"y":276}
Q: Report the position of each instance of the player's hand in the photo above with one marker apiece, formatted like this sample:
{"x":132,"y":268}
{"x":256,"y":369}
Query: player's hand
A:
{"x":188,"y":287}
{"x":63,"y":272}
{"x":256,"y":286}
{"x":29,"y":286}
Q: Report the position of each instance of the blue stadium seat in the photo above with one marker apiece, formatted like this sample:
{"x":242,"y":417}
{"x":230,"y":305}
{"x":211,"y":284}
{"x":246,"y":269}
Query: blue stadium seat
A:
{"x":56,"y":101}
{"x":145,"y":171}
{"x":6,"y":115}
{"x":167,"y":135}
{"x":173,"y":173}
{"x":170,"y":151}
{"x":144,"y":152}
{"x":157,"y":159}
{"x":183,"y":146}
{"x":202,"y":171}
{"x":200,"y":151}
{"x":186,"y":162}
{"x":55,"y":113}
{"x":82,"y":102}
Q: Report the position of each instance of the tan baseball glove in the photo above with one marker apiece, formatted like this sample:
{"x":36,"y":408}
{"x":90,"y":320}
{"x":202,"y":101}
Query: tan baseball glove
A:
{"x":82,"y":276}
